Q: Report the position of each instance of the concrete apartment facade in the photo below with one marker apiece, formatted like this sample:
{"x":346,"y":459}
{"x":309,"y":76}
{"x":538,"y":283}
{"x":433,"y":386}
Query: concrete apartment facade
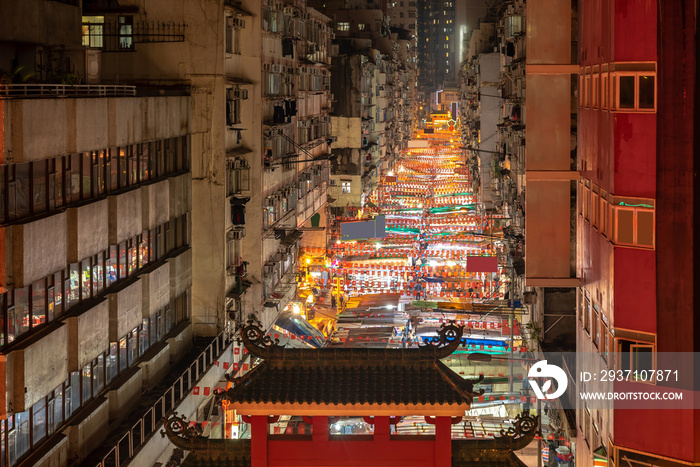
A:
{"x":149,"y":205}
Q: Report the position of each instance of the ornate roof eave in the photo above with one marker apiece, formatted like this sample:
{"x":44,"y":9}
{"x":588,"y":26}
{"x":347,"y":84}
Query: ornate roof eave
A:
{"x":190,"y":438}
{"x":517,"y":437}
{"x":466,"y":451}
{"x":261,"y":345}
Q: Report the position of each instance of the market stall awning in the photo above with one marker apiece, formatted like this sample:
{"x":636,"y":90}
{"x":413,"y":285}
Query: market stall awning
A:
{"x":374,"y":300}
{"x":299,"y":327}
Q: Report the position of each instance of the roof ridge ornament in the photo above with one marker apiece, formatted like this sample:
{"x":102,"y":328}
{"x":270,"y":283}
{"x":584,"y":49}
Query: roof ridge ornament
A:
{"x":256,"y":340}
{"x":525,"y":425}
{"x":448,"y":339}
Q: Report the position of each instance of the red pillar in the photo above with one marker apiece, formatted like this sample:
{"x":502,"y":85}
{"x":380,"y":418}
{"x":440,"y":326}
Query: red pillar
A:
{"x":443,"y":441}
{"x":258,"y":441}
{"x":382,"y":429}
{"x":320,"y":429}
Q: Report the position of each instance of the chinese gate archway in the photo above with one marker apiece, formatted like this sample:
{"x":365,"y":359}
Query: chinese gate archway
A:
{"x":380,"y":385}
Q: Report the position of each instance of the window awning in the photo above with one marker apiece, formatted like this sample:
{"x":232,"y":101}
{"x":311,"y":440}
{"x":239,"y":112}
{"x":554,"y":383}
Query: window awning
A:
{"x":239,"y":151}
{"x":292,"y":237}
{"x":238,"y":80}
{"x":237,"y":7}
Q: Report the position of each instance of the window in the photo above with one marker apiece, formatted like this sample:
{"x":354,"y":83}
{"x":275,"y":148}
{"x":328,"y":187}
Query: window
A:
{"x":233,"y":104}
{"x":588,"y":313}
{"x":144,"y":342}
{"x":361,"y":26}
{"x":596,"y":331}
{"x":634,"y":91}
{"x":132,"y":345}
{"x":126,"y":30}
{"x":38,"y":303}
{"x":233,"y":26}
{"x":123,"y":362}
{"x":626,"y":98}
{"x":39,"y":421}
{"x":93,"y":30}
{"x":603,"y":214}
{"x":595,"y":205}
{"x":636,"y":356}
{"x":237,"y":176}
{"x":233,"y":250}
{"x":605,"y":340}
{"x":345,"y":187}
{"x":87,"y":382}
{"x":112,"y":362}
{"x":55,"y":409}
{"x":634,"y":226}
{"x":595,"y":91}
{"x":344,"y":26}
{"x":646,"y":92}
{"x":72,"y":285}
{"x":85,"y":282}
{"x":604,"y":92}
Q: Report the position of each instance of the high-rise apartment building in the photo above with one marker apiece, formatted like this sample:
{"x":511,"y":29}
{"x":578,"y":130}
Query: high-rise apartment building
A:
{"x":436,"y":44}
{"x":157,"y":162}
{"x":635,"y":217}
{"x":374,"y":73}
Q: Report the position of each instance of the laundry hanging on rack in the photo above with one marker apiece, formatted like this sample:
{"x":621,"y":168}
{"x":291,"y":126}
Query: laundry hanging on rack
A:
{"x":287,"y":48}
{"x":279,"y":114}
{"x":238,"y":210}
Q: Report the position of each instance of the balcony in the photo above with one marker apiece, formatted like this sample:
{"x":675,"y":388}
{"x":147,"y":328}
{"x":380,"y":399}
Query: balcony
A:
{"x":43,"y":91}
{"x":138,"y":428}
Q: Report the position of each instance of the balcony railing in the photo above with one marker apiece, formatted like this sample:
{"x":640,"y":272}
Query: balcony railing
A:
{"x":25,"y":91}
{"x":140,"y":432}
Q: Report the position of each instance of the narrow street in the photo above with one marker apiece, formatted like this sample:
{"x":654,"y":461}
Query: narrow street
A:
{"x":443,"y":258}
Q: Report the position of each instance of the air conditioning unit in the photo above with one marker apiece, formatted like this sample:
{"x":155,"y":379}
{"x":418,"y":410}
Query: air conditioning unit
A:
{"x":238,"y":94}
{"x":236,"y":234}
{"x":240,"y":163}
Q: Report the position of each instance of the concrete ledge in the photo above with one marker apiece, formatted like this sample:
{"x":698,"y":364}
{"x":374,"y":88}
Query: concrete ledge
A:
{"x":53,"y":453}
{"x":155,"y":364}
{"x":180,"y":340}
{"x":551,"y":175}
{"x":124,"y":392}
{"x":89,"y":429}
{"x":552,"y":282}
{"x":552,"y":69}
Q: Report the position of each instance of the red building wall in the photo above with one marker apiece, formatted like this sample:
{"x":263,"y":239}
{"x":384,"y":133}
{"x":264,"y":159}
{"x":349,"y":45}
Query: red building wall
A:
{"x":648,"y":155}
